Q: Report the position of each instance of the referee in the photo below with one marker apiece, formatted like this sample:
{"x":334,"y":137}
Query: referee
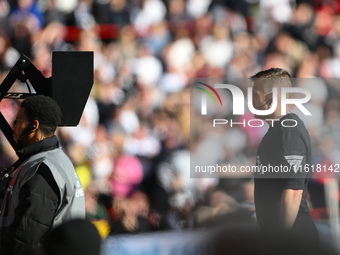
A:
{"x":280,"y":197}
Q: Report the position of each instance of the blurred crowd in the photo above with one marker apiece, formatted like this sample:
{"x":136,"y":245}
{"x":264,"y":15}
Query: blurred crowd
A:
{"x":132,"y":146}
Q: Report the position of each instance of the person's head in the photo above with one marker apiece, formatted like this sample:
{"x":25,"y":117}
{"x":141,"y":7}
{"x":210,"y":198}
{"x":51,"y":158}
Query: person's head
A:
{"x":73,"y":237}
{"x":264,"y":82}
{"x":37,"y":118}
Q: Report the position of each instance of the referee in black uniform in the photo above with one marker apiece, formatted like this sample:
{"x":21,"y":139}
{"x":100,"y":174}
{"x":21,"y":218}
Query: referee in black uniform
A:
{"x":280,"y":197}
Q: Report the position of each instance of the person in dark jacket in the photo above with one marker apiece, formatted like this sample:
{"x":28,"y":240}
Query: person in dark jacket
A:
{"x":44,"y":189}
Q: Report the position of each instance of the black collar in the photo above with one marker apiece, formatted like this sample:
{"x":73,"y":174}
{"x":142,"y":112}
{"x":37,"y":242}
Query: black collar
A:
{"x":47,"y":144}
{"x":288,"y":115}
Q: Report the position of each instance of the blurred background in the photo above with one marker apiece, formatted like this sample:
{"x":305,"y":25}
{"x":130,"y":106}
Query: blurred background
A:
{"x":132,"y":146}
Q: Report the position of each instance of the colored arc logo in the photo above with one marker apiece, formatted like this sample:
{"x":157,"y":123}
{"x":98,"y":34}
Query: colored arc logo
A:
{"x":212,"y":89}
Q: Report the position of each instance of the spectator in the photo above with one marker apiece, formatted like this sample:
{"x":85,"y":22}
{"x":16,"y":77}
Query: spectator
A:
{"x":76,"y":237}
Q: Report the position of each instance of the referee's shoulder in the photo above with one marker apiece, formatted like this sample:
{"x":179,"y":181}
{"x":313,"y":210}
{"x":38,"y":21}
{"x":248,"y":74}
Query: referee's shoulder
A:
{"x":292,"y":123}
{"x":292,"y":120}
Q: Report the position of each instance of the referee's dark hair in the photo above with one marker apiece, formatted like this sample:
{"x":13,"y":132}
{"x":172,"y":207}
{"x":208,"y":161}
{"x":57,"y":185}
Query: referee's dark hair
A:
{"x":273,"y":77}
{"x":45,"y":110}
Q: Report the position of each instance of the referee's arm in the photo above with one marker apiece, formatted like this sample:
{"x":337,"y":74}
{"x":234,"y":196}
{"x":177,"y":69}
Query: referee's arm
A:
{"x":290,"y":204}
{"x":294,"y":153}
